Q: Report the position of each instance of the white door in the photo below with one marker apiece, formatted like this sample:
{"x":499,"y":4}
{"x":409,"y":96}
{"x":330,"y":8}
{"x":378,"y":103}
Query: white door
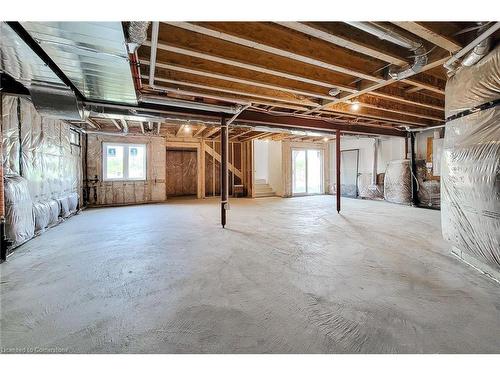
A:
{"x":307,"y":171}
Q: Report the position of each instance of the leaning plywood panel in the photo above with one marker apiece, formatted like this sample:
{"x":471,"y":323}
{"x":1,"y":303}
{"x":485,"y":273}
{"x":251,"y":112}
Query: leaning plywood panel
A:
{"x":470,"y":202}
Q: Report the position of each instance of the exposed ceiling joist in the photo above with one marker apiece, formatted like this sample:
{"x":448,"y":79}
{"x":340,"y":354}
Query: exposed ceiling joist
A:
{"x":317,"y":31}
{"x":238,"y":80}
{"x":277,"y":51}
{"x":426,"y":33}
{"x":211,"y":132}
{"x":236,"y":92}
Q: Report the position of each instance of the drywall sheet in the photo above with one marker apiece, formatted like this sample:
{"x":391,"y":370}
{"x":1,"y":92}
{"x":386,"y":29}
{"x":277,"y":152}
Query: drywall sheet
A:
{"x":470,"y":183}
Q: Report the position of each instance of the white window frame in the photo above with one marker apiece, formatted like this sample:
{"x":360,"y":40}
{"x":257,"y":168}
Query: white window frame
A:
{"x":126,"y":147}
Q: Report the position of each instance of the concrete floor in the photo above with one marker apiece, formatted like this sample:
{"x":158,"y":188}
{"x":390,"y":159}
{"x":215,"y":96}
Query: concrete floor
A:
{"x":286,"y":276}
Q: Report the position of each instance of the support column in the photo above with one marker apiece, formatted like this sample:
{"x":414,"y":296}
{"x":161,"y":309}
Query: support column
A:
{"x":224,"y":173}
{"x":413,"y":166}
{"x":337,"y":169}
{"x":3,"y":243}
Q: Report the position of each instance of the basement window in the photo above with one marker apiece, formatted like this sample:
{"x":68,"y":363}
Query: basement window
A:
{"x":124,"y":162}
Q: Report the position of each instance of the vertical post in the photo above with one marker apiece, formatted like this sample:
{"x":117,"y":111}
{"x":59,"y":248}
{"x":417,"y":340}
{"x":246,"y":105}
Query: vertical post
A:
{"x":413,"y":166}
{"x":406,"y":149}
{"x":224,"y":173}
{"x":337,"y":169}
{"x":3,"y":244}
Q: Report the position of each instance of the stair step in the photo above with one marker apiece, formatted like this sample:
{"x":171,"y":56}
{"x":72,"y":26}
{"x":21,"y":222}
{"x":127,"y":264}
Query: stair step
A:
{"x":262,"y":195}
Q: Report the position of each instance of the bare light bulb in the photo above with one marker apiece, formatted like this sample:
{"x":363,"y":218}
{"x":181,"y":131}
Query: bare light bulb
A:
{"x":355,"y":106}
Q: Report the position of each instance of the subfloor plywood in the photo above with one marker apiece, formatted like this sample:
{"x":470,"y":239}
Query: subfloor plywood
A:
{"x":286,"y":276}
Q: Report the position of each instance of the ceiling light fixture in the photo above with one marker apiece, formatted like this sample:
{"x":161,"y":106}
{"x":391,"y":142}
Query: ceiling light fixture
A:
{"x":334,"y":91}
{"x":355,"y":106}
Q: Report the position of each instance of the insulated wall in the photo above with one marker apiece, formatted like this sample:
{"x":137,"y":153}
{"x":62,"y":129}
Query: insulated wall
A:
{"x":470,"y":187}
{"x":152,"y":189}
{"x":42,"y":168}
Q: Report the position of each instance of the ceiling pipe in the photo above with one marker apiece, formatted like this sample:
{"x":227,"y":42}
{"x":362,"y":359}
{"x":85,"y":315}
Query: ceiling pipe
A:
{"x":189,"y":104}
{"x":449,"y":65}
{"x":391,"y":35}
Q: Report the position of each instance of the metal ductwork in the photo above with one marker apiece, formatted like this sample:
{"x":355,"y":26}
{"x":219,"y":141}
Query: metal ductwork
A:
{"x":479,"y":51}
{"x":49,"y":94}
{"x":137,"y":34}
{"x":478,"y":48}
{"x":189,"y":104}
{"x":391,"y":35}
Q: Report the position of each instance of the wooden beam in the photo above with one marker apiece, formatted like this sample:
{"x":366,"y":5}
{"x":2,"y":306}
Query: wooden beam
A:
{"x":199,"y":130}
{"x":236,"y":92}
{"x":394,"y":93}
{"x":378,"y":113}
{"x":374,"y":102}
{"x":116,"y":124}
{"x":239,"y":80}
{"x":209,"y":150}
{"x":142,"y":127}
{"x":366,"y":88}
{"x":179,"y":131}
{"x":330,"y":65}
{"x":236,"y":136}
{"x":426,"y":33}
{"x":249,"y":66}
{"x":304,"y":123}
{"x":424,"y":85}
{"x":210,"y":132}
{"x":319,"y":32}
{"x":257,"y":136}
{"x":231,"y":98}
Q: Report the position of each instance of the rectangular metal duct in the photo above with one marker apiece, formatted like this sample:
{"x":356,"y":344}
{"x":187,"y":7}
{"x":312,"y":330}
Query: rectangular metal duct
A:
{"x":50,"y":95}
{"x":93,"y":55}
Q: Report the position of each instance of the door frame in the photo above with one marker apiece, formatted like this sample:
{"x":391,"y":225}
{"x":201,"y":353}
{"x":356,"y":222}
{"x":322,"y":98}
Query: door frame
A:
{"x":322,"y":169}
{"x":357,"y":172}
{"x":200,"y":163}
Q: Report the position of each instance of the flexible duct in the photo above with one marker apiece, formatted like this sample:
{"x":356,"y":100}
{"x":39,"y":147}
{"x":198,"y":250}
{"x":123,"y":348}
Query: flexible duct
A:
{"x":479,"y":51}
{"x":137,"y":34}
{"x":391,"y":35}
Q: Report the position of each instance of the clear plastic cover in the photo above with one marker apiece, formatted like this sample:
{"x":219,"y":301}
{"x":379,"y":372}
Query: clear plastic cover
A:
{"x":19,"y":220}
{"x":367,"y":190}
{"x":397,"y":182}
{"x":470,"y":183}
{"x":39,"y":149}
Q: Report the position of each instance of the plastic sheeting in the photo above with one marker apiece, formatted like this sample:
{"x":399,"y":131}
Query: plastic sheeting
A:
{"x":40,"y":150}
{"x":470,"y":205}
{"x":397,"y":182}
{"x":19,"y":220}
{"x":429,"y":191}
{"x":369,"y":191}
